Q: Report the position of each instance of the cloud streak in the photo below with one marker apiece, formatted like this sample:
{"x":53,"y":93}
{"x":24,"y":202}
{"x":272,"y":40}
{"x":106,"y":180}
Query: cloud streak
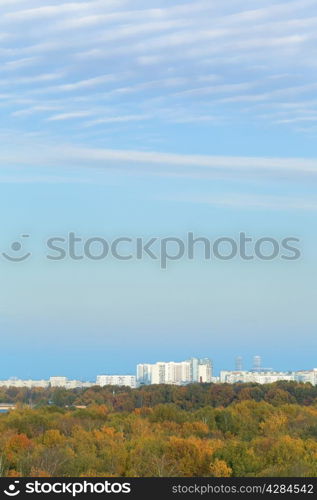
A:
{"x":59,"y":155}
{"x":249,"y":202}
{"x":93,"y":163}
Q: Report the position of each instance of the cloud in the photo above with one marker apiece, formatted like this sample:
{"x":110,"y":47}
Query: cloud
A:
{"x":89,"y":165}
{"x":215,"y":89}
{"x":298,"y":119}
{"x":246,"y":202}
{"x":87,"y":84}
{"x":27,"y":80}
{"x":48,"y":11}
{"x":117,"y":119}
{"x":41,"y":179}
{"x":69,"y":116}
{"x":76,"y":155}
{"x":36,"y":109}
{"x":19,"y":63}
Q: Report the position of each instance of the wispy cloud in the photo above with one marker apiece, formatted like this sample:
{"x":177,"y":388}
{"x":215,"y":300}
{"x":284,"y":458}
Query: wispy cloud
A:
{"x":61,"y":8}
{"x":248,"y":202}
{"x":244,"y":172}
{"x":19,"y":63}
{"x":44,"y":108}
{"x":78,"y":155}
{"x":89,"y":83}
{"x":27,"y":80}
{"x":69,"y":116}
{"x":117,"y":119}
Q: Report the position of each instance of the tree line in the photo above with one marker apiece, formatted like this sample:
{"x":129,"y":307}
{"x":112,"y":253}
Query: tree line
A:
{"x":186,"y":397}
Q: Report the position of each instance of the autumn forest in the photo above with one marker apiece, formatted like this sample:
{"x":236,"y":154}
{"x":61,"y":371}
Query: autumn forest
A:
{"x":207,"y":430}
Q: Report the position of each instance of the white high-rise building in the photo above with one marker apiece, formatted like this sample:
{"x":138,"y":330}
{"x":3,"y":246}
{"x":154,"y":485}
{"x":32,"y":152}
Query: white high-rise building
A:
{"x":205,"y":370}
{"x":159,"y":373}
{"x":179,"y":373}
{"x":144,"y":373}
{"x":204,"y":373}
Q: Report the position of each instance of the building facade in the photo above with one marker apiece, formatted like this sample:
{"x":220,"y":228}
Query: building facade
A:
{"x":266,"y":377}
{"x":118,"y":380}
{"x":29,"y":384}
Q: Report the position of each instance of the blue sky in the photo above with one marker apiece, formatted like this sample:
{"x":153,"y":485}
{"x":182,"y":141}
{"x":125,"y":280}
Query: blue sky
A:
{"x":152,"y":118}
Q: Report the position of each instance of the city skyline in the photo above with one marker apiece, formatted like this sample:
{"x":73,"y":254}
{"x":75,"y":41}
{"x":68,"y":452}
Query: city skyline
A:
{"x":143,"y":372}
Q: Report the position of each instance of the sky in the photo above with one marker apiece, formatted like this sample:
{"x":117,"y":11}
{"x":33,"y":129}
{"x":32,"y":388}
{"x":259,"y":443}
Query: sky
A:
{"x":151,"y":118}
